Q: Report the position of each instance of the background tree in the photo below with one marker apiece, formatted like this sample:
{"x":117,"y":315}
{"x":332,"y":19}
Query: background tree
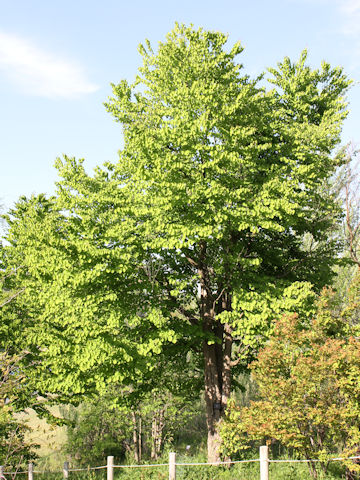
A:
{"x":15,"y":392}
{"x":309,"y":396}
{"x":193,"y":241}
{"x":96,"y":430}
{"x":346,"y":187}
{"x":350,"y":184}
{"x":15,"y":449}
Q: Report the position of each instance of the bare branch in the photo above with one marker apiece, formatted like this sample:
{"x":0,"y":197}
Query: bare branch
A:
{"x":8,"y":300}
{"x":352,"y":206}
{"x":192,"y":261}
{"x":233,"y":363}
{"x":218,"y":298}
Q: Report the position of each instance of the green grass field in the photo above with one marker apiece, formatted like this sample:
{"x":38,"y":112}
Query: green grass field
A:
{"x":50,"y":438}
{"x":238,"y":472}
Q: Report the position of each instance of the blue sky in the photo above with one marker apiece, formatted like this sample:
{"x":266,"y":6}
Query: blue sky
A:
{"x":57,"y":60}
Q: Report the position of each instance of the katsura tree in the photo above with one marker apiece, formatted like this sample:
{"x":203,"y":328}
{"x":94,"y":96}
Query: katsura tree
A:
{"x":15,"y":392}
{"x":95,"y":318}
{"x":15,"y":448}
{"x":130,"y":344}
{"x":309,"y":393}
{"x":194,"y":239}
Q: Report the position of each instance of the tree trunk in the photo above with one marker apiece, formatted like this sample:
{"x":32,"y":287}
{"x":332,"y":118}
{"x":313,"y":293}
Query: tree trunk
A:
{"x":161,"y":425}
{"x":217,"y":388}
{"x":213,"y":401}
{"x":157,"y":428}
{"x":312,"y":469}
{"x":140,"y":439}
{"x":217,"y":356}
{"x":153,"y":455}
{"x":135,"y":437}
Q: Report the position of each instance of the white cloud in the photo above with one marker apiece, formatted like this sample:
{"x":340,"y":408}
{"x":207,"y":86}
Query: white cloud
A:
{"x":41,"y":73}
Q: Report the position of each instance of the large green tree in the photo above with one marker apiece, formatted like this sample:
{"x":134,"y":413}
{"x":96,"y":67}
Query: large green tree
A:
{"x":194,"y":240}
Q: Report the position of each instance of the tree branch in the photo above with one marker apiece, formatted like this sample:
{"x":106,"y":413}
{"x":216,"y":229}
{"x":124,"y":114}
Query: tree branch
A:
{"x":8,"y":300}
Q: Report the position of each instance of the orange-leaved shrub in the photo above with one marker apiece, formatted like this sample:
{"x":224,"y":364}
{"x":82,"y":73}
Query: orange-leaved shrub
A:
{"x":309,"y":390}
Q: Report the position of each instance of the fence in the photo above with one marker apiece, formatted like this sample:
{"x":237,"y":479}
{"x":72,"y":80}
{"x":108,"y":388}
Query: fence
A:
{"x":110,"y":467}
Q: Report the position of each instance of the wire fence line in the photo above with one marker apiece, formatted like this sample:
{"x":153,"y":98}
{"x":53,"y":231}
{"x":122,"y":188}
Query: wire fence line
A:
{"x":339,"y":459}
{"x":227,"y":462}
{"x":264,"y":461}
{"x":84,"y":469}
{"x":143,"y":466}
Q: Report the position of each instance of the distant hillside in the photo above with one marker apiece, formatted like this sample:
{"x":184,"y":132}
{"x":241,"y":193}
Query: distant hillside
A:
{"x":50,"y":438}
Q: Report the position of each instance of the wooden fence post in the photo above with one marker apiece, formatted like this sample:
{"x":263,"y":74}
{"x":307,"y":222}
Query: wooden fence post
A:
{"x":264,"y":463}
{"x":172,"y":466}
{"x":110,"y":468}
{"x":30,"y":471}
{"x":66,"y":470}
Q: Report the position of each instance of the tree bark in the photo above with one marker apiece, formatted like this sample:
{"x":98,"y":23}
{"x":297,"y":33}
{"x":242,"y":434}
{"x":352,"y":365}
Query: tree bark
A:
{"x":140,"y":439}
{"x":157,"y":428}
{"x":153,"y":436}
{"x":217,"y":356}
{"x":213,"y":396}
{"x":217,"y":389}
{"x":135,"y":436}
{"x":161,"y":425}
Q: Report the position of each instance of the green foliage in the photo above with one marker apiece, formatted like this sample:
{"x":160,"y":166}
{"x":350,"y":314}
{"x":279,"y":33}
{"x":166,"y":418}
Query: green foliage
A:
{"x":15,"y":393}
{"x":97,"y":428}
{"x":309,"y":396}
{"x":165,"y":419}
{"x":15,"y":450}
{"x":351,"y":309}
{"x":208,"y":155}
{"x":190,"y":243}
{"x":94,"y":432}
{"x":78,"y":303}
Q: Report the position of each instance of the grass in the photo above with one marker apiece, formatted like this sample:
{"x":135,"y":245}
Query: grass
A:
{"x":238,"y":472}
{"x":51,"y":440}
{"x":243,"y":471}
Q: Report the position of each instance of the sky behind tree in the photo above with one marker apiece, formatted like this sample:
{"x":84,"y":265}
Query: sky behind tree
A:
{"x":57,"y":60}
